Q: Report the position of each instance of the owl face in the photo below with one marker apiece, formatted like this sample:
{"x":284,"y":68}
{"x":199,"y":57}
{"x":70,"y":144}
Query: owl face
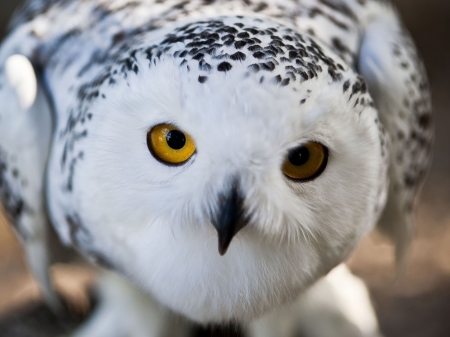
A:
{"x":225,"y":190}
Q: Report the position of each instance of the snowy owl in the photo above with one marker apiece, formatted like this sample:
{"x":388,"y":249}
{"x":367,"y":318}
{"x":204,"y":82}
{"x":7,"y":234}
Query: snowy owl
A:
{"x":220,"y":156}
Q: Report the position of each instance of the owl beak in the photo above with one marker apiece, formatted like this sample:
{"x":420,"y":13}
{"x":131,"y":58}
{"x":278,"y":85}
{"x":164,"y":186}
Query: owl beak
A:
{"x":230,"y":218}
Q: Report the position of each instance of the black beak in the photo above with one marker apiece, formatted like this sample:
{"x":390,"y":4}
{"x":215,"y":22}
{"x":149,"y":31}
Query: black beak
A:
{"x":230,"y":219}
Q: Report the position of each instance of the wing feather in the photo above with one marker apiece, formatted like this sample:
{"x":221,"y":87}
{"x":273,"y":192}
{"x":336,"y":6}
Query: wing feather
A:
{"x":25,"y":137}
{"x":390,"y":64}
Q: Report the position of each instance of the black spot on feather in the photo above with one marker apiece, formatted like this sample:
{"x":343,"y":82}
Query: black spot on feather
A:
{"x":224,"y":66}
{"x":238,"y":56}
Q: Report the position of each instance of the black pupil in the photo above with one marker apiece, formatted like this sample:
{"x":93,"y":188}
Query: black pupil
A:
{"x":299,"y":156}
{"x":176,"y":139}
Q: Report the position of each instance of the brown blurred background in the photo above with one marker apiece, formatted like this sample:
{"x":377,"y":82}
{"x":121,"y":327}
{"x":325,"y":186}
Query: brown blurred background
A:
{"x":418,"y":305}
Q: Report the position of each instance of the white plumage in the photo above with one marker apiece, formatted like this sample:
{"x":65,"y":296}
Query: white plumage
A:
{"x":253,"y":83}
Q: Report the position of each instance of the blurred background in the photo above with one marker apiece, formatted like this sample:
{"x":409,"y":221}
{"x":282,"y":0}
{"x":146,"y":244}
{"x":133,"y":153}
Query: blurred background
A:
{"x":418,"y":305}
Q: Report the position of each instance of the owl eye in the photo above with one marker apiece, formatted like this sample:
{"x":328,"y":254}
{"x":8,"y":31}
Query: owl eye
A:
{"x":169,"y":144}
{"x":306,"y":162}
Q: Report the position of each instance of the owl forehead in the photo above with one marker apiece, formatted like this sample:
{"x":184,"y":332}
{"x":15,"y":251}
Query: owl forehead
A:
{"x":272,"y":52}
{"x":245,"y":59}
{"x":276,"y":53}
{"x":255,"y":47}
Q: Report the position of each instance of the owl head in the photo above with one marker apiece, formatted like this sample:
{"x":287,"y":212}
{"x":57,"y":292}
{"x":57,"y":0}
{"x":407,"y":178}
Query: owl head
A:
{"x":222,"y":166}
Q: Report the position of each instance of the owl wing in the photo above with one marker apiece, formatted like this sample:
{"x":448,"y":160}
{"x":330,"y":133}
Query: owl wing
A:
{"x":389,"y":62}
{"x":25,"y":137}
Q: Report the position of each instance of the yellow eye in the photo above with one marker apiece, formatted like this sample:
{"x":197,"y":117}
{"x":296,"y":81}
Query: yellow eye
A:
{"x":306,"y":162}
{"x":169,"y":144}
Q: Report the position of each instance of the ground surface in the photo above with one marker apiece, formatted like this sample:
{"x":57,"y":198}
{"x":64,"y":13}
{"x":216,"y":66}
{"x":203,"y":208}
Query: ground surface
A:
{"x":418,"y":305}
